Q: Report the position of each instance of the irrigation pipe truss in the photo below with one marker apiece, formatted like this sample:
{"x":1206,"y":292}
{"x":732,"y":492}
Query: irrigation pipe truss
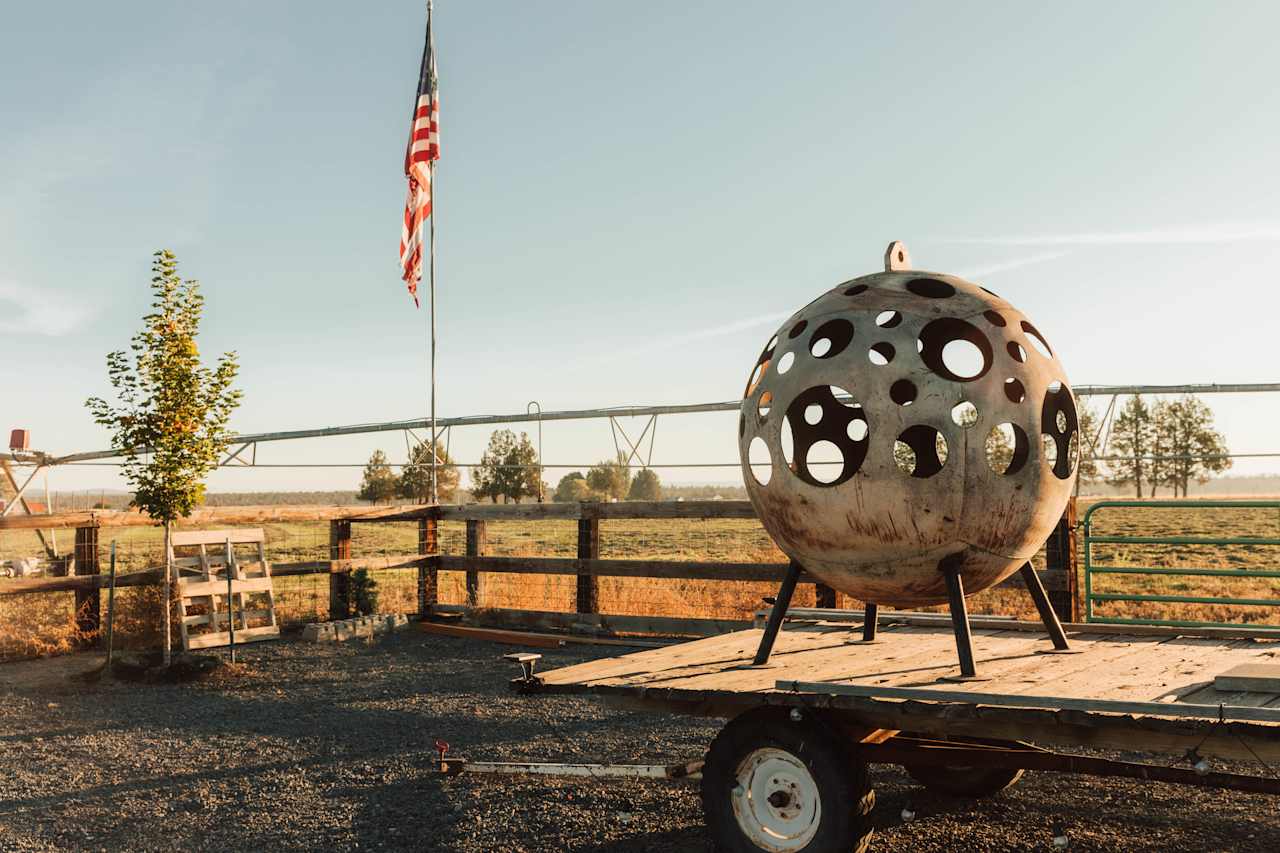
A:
{"x":616,"y":412}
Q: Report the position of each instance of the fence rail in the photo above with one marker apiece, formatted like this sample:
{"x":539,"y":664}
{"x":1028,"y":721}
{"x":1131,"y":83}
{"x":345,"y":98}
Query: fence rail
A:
{"x":475,"y":563}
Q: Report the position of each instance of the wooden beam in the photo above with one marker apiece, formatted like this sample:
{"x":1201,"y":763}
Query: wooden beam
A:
{"x":88,"y":602}
{"x":220,"y":515}
{"x":608,"y":624}
{"x":587,"y":599}
{"x":477,"y":544}
{"x":339,"y":582}
{"x":428,"y":573}
{"x":530,"y":638}
{"x":150,"y":577}
{"x":665,"y":569}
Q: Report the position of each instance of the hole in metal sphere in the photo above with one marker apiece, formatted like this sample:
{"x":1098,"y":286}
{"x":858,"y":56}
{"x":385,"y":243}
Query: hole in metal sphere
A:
{"x":881,"y":354}
{"x":903,"y":392}
{"x":856,"y":289}
{"x":1007,"y":449}
{"x":964,"y":414}
{"x":994,"y":318}
{"x":930,"y":288}
{"x":920,"y":451}
{"x":784,"y":363}
{"x":798,"y":329}
{"x":836,"y":333}
{"x":888,"y":319}
{"x":759,"y":460}
{"x":1016,"y":352}
{"x":1014,"y":391}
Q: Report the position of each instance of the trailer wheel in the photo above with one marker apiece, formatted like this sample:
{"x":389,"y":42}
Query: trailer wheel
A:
{"x":959,"y":781}
{"x":776,"y":784}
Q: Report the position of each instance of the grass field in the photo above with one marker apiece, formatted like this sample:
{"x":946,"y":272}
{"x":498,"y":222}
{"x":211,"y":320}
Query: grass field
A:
{"x":44,"y":624}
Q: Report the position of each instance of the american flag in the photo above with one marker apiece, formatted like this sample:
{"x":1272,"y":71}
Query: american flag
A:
{"x":424,"y":147}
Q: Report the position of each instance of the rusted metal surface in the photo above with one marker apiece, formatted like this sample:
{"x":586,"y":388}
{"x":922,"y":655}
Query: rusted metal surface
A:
{"x":850,"y":406}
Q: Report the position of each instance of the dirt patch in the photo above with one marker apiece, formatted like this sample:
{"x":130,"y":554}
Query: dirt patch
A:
{"x":328,"y":746}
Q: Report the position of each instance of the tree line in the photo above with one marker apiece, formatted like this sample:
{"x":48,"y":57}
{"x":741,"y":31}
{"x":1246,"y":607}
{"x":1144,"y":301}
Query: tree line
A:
{"x":509,"y":470}
{"x":1166,"y":445}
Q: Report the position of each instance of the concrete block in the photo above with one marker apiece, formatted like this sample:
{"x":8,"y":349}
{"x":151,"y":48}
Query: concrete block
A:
{"x":318,"y":632}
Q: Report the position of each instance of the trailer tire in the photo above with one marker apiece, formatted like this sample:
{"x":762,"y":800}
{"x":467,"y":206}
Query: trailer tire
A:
{"x":773,"y":783}
{"x":957,"y":781}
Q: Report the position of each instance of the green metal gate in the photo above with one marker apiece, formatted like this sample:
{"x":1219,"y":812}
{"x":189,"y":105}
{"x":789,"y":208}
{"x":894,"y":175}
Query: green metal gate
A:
{"x":1197,"y":542}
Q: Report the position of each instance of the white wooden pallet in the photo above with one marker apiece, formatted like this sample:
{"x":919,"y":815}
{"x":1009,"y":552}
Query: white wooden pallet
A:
{"x":202,"y":580}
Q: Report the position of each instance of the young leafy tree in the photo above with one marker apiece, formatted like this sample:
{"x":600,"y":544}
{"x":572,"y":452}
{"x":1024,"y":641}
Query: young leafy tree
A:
{"x":378,"y":484}
{"x":169,"y":423}
{"x":1132,"y":437}
{"x":610,"y":479}
{"x":645,"y":486}
{"x":415,"y":479}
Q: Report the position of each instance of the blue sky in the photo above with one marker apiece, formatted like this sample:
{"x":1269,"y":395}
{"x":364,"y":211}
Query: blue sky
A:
{"x":630,"y":198}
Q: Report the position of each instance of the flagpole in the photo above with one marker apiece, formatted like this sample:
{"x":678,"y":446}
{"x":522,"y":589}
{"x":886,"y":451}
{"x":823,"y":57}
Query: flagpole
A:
{"x":431,"y":302}
{"x":431,"y":287}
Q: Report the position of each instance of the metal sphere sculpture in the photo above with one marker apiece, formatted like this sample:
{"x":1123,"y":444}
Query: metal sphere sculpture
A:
{"x":905,"y":425}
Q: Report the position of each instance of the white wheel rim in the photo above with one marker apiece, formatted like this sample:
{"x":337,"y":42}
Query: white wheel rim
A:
{"x":776,"y":800}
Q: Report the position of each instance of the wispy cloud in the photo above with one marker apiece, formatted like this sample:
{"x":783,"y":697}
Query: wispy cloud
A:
{"x":1229,"y":232}
{"x":26,"y":310}
{"x":718,"y":330}
{"x":1005,"y":266}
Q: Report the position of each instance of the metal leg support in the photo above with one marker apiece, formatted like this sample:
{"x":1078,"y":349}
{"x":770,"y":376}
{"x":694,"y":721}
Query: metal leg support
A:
{"x":1050,"y":619}
{"x":960,"y":623}
{"x":869,"y":622}
{"x":780,"y":605}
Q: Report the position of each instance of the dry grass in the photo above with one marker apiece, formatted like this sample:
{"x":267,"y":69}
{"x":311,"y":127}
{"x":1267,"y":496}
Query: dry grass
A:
{"x":45,"y":624}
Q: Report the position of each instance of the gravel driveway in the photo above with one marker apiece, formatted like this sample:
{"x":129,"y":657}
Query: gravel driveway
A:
{"x":328,"y":747}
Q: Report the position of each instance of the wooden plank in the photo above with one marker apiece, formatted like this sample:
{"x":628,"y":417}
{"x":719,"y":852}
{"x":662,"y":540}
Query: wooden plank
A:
{"x":193,"y":589}
{"x":1022,"y":700}
{"x":206,"y":516}
{"x":243,"y":635}
{"x":500,"y":512}
{"x":670,"y":509}
{"x":238,"y":536}
{"x":525,"y":639}
{"x":668,"y":569}
{"x":1232,"y":741}
{"x":31,"y":586}
{"x":605,"y":623}
{"x":217,"y":617}
{"x":530,"y":638}
{"x":912,"y":617}
{"x":1251,"y":677}
{"x":150,"y":577}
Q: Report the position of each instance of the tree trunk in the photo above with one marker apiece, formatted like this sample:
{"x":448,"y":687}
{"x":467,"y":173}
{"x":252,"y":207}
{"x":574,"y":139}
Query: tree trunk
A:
{"x":168,"y":575}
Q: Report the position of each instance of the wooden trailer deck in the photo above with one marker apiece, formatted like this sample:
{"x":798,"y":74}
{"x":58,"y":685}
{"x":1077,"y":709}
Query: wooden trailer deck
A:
{"x":1142,"y":689}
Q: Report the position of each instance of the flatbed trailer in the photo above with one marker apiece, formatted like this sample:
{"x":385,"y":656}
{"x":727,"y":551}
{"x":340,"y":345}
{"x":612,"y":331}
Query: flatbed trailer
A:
{"x":788,"y":772}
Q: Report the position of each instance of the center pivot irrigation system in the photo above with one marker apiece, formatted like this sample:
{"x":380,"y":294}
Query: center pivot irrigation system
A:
{"x":638,"y":451}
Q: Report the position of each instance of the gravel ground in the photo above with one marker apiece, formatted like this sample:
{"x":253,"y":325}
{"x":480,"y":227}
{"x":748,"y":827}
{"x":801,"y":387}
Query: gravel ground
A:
{"x":328,"y":747}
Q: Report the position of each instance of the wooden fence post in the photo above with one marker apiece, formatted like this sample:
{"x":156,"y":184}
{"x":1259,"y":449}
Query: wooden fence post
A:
{"x":428,"y":576}
{"x":588,"y":599}
{"x":339,"y":580}
{"x":88,"y":601}
{"x":1060,"y":556}
{"x":477,"y":544}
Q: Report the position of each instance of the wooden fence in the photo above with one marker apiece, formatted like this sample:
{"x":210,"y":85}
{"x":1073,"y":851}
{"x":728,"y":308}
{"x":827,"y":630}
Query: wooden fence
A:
{"x":587,"y":566}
